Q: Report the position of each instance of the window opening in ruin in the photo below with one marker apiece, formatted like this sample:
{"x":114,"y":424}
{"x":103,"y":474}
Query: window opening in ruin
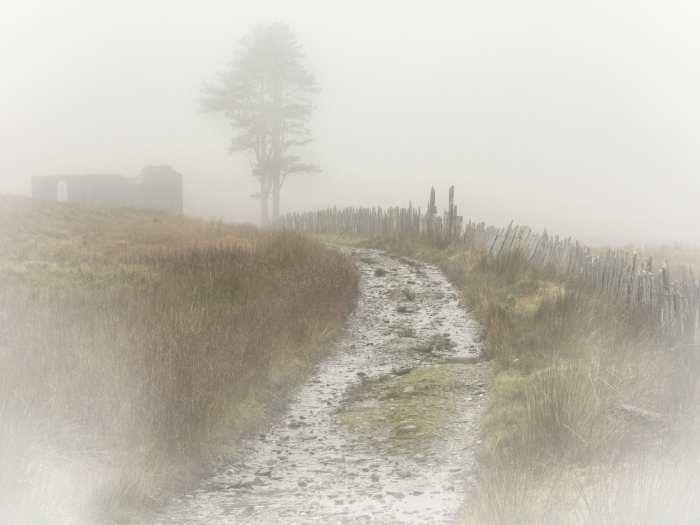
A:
{"x":62,"y":190}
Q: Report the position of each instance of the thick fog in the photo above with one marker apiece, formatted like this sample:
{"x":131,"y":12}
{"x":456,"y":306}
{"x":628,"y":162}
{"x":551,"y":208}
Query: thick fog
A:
{"x":581,"y":117}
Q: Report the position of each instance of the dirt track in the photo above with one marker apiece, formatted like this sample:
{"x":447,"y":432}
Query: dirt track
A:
{"x":384,"y":432}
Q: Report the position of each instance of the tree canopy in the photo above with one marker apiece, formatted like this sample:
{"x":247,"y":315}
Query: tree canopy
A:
{"x":264,"y":94}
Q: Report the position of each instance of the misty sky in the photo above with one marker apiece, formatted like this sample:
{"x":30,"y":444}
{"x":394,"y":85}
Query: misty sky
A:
{"x":581,"y":117}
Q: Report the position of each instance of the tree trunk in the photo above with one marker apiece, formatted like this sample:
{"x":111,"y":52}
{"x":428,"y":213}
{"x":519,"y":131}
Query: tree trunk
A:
{"x":276,"y":145}
{"x":275,"y":198}
{"x":263,"y":202}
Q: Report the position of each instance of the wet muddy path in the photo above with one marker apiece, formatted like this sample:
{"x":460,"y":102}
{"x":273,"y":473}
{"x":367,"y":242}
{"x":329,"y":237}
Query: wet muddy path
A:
{"x":384,"y":432}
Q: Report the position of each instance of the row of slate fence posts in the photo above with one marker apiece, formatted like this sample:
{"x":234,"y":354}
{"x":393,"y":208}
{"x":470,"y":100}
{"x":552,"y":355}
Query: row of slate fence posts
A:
{"x":631,"y":284}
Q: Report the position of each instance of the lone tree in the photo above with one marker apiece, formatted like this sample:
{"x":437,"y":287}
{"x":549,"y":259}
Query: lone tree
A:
{"x":264,"y":96}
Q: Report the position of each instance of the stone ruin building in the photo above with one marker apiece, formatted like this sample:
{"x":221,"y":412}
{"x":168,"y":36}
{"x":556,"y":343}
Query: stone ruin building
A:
{"x":158,"y":187}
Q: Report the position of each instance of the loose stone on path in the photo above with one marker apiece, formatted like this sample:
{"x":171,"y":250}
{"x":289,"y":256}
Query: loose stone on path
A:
{"x":356,"y":444}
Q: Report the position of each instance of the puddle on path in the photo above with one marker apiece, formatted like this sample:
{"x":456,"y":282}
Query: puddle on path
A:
{"x":383,"y":433}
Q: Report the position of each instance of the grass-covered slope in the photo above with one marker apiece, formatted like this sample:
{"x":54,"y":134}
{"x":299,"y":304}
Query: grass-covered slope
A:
{"x":563,"y":439}
{"x":134,"y":343}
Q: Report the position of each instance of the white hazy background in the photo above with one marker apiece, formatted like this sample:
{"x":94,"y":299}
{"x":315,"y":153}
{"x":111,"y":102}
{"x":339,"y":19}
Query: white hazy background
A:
{"x":581,"y":117}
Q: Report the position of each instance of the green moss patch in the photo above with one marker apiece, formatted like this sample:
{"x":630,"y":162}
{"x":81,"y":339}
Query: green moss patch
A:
{"x":405,"y":414}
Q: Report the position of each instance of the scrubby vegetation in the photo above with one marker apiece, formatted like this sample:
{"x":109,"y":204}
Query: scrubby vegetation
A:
{"x":428,"y":407}
{"x":135,"y":344}
{"x":593,"y":413}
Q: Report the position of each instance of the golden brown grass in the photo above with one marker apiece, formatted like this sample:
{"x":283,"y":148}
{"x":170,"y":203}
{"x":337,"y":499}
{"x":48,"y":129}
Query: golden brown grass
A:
{"x":133,"y":344}
{"x":558,"y":444}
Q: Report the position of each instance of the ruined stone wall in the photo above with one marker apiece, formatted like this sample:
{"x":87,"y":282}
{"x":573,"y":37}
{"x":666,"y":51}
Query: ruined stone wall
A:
{"x":158,"y":187}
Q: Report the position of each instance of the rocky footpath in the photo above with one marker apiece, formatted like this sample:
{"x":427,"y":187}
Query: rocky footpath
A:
{"x":384,"y":432}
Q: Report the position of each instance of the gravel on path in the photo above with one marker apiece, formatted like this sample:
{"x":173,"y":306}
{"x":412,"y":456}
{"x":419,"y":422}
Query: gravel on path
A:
{"x":384,"y":432}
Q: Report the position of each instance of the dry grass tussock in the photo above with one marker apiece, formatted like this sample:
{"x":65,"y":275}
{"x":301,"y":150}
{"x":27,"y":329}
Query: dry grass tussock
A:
{"x":560,"y":444}
{"x":132,"y":344}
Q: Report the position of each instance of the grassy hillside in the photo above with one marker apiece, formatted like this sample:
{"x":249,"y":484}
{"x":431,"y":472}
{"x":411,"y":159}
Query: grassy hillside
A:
{"x":134,"y":344}
{"x":560,"y":443}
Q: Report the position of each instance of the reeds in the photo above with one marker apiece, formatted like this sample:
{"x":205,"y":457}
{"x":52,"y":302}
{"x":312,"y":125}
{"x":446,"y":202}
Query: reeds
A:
{"x":560,"y":444}
{"x":131,"y":346}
